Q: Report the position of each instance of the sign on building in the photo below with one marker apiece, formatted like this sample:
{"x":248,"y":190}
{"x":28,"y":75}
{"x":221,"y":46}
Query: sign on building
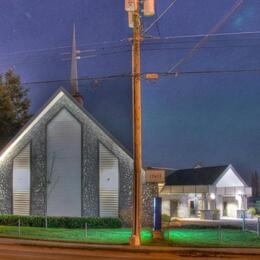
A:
{"x":154,"y":175}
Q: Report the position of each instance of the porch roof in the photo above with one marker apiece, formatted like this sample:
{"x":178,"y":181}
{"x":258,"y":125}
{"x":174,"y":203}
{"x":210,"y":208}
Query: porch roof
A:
{"x":195,"y":176}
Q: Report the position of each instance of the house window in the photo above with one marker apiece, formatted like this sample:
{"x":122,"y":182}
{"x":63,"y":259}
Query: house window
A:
{"x":21,"y":182}
{"x":108,"y":183}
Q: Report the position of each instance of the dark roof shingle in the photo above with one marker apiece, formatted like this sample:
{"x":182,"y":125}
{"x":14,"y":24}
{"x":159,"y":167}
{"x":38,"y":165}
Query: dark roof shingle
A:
{"x":194,"y":176}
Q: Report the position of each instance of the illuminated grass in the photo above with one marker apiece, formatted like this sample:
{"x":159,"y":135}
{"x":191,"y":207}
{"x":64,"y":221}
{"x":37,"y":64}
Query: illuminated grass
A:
{"x":212,"y":238}
{"x":107,"y":236}
{"x":178,"y":237}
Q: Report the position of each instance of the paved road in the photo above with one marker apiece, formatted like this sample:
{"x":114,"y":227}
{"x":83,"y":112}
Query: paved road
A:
{"x":11,"y":252}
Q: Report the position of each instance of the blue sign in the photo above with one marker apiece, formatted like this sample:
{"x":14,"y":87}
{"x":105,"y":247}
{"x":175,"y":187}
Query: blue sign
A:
{"x":157,"y":216}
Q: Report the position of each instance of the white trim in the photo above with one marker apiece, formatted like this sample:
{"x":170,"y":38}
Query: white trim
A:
{"x":31,"y":125}
{"x":230,"y":166}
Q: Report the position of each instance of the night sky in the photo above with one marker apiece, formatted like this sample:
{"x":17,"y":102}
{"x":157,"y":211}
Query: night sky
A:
{"x":211,"y":118}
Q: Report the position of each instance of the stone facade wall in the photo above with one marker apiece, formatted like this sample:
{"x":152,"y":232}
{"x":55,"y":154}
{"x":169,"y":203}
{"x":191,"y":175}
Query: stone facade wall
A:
{"x":92,"y":134}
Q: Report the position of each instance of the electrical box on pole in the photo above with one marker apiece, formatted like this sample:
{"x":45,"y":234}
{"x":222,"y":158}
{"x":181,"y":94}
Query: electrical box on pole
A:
{"x":149,"y":7}
{"x":152,"y":76}
{"x":130,"y":20}
{"x":131,"y":5}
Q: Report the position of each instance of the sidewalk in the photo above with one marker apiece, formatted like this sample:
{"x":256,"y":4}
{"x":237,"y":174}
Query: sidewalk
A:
{"x":126,"y":248}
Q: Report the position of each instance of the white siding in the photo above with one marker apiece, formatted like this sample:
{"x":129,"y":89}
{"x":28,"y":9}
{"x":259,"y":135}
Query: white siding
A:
{"x":64,"y":165}
{"x":108,"y":183}
{"x":229,"y":179}
{"x":21,"y":182}
{"x":166,"y":207}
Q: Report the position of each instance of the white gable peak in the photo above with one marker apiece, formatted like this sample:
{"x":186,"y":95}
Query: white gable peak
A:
{"x":230,"y":178}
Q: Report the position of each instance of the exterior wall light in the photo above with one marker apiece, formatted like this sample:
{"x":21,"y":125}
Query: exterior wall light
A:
{"x":238,"y":197}
{"x":212,"y":196}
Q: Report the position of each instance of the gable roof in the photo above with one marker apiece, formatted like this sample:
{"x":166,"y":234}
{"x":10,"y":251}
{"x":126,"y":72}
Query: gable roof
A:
{"x":46,"y":107}
{"x":195,"y":176}
{"x":230,"y":175}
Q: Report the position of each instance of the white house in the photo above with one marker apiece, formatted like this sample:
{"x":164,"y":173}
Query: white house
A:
{"x":203,"y":192}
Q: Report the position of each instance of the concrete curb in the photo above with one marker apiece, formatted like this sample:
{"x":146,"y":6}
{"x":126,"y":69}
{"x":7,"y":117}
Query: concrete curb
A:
{"x":187,"y":251}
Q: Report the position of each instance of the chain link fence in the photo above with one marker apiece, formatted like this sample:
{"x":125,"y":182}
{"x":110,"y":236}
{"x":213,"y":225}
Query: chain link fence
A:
{"x":89,"y":235}
{"x":223,"y":233}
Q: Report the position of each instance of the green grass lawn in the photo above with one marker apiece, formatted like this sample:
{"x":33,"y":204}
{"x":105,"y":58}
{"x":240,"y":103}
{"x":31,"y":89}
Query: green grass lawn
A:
{"x":178,"y":237}
{"x":108,"y":236}
{"x":212,"y":238}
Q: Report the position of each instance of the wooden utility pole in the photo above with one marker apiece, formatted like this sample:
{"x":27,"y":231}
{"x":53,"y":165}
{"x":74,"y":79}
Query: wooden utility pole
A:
{"x":135,"y":240}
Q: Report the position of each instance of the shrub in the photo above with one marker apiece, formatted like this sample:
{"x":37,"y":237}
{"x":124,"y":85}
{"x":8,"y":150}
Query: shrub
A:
{"x":216,"y":211}
{"x":165,"y":218}
{"x":206,"y":226}
{"x":61,"y":222}
{"x":252,"y":211}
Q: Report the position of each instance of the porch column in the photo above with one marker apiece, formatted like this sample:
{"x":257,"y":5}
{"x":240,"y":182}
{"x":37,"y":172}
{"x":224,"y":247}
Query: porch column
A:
{"x":204,"y":201}
{"x":212,"y":203}
{"x":243,"y":202}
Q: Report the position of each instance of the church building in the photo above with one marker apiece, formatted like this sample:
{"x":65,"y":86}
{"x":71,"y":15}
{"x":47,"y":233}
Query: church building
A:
{"x":64,"y":163}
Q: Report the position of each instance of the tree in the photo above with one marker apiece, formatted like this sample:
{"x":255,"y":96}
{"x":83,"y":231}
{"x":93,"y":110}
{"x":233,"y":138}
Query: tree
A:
{"x":14,"y":106}
{"x":255,"y":184}
{"x":6,"y":111}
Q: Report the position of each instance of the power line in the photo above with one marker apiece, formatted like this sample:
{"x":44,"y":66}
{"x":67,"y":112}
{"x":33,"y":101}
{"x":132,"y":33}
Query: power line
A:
{"x":102,"y":51}
{"x":57,"y":59}
{"x":205,"y":47}
{"x":145,"y":48}
{"x":177,"y":74}
{"x":34,"y":51}
{"x":160,"y":16}
{"x":86,"y":78}
{"x":150,"y":47}
{"x":61,"y":47}
{"x":167,"y":38}
{"x":203,"y":35}
{"x":126,"y":45}
{"x":161,"y":74}
{"x":157,"y":25}
{"x":87,"y":53}
{"x":215,"y":28}
{"x":192,"y":41}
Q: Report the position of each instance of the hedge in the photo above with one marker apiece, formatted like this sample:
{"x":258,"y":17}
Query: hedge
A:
{"x":61,"y":222}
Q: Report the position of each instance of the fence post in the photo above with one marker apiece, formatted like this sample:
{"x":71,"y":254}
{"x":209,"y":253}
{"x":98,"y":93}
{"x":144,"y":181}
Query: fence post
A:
{"x":169,"y":226}
{"x":86,"y":230}
{"x":258,"y":226}
{"x":220,"y":232}
{"x":19,"y":227}
{"x":46,"y":221}
{"x":244,"y":220}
